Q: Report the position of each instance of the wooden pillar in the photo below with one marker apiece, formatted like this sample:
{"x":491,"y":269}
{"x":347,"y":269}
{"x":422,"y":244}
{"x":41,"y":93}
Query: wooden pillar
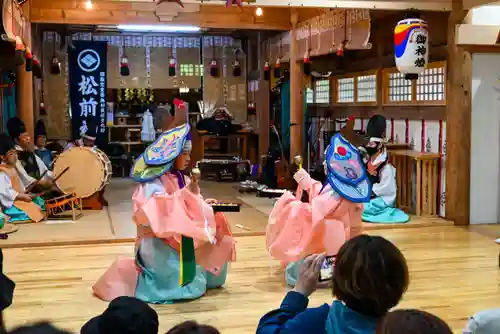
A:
{"x":296,"y":93}
{"x":458,"y":123}
{"x":263,"y":102}
{"x":24,"y":85}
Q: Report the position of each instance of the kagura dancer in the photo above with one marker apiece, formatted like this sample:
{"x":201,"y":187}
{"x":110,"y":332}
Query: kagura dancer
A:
{"x":182,"y":247}
{"x":332,"y":215}
{"x":382,"y":175}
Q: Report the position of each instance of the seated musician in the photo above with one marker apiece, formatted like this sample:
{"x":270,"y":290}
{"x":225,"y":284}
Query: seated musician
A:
{"x":382,"y":174}
{"x":182,"y":247}
{"x":14,"y":201}
{"x":332,"y":213}
{"x":87,"y":139}
{"x":41,"y":142}
{"x":29,"y":166}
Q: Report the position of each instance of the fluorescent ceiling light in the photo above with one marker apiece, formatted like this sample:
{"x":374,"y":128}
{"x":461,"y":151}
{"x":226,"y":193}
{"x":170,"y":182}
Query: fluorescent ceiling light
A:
{"x":158,"y":28}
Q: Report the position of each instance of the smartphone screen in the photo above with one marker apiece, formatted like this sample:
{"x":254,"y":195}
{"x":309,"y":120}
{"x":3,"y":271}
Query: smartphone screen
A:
{"x":326,"y":271}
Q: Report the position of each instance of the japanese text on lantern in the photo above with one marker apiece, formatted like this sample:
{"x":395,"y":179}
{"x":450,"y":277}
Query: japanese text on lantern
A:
{"x":420,"y":50}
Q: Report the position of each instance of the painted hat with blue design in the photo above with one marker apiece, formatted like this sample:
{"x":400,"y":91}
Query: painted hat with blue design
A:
{"x":159,"y":157}
{"x":346,"y":171}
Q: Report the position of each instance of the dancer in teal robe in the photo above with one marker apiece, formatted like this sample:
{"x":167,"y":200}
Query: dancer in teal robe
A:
{"x":382,"y":174}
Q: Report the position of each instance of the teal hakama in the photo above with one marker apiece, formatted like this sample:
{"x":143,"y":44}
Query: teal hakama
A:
{"x":16,"y":215}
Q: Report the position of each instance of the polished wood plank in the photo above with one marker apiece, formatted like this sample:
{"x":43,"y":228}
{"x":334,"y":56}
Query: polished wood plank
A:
{"x":454,"y":273}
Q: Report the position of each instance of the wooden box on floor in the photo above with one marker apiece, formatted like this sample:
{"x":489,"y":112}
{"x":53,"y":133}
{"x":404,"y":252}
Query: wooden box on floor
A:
{"x":426,"y":186}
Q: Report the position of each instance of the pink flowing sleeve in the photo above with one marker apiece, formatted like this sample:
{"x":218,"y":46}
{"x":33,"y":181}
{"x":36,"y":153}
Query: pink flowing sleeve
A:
{"x":177,"y":213}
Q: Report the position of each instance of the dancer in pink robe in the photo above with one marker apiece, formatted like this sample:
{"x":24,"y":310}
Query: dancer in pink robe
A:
{"x":332,"y":215}
{"x":182,"y":247}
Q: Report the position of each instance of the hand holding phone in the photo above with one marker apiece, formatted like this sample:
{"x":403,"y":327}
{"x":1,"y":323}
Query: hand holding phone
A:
{"x":326,"y":271}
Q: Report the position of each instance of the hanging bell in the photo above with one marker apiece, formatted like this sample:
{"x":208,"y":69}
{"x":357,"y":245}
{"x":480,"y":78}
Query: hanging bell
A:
{"x":171,"y":67}
{"x":307,"y":64}
{"x":124,"y":70}
{"x":29,"y":60}
{"x":277,"y":69}
{"x":20,"y":51}
{"x":214,"y":69}
{"x":267,"y":70}
{"x":236,"y":69}
{"x":55,"y":66}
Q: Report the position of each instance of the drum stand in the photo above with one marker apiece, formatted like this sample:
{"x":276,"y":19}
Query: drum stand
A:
{"x":64,"y":207}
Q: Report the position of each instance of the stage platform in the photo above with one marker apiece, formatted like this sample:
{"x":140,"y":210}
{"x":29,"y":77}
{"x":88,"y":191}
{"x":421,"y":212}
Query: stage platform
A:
{"x":114,"y":223}
{"x":454,"y":273}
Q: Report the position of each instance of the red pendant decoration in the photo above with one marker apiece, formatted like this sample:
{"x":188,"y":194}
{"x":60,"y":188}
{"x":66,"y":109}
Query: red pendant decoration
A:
{"x":29,"y":60}
{"x":171,"y":67}
{"x":340,"y":49}
{"x":214,"y":68}
{"x":267,"y":70}
{"x":124,"y":70}
{"x":236,"y":68}
{"x":238,"y":3}
{"x":307,"y":64}
{"x":277,"y":69}
{"x":43,"y":112}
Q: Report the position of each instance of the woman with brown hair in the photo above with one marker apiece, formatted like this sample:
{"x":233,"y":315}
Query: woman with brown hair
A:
{"x":369,"y":278}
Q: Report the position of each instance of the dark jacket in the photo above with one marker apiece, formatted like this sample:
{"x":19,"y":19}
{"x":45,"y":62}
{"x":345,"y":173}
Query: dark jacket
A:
{"x":293,"y":317}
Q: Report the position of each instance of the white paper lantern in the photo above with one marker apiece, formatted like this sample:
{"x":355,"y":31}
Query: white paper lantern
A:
{"x":411,"y":47}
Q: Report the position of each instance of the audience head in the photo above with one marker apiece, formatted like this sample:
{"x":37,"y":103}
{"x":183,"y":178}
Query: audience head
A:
{"x":412,"y":322}
{"x":124,"y":315}
{"x":370,"y":275}
{"x":191,"y":327}
{"x":38,"y":328}
{"x":484,"y":322}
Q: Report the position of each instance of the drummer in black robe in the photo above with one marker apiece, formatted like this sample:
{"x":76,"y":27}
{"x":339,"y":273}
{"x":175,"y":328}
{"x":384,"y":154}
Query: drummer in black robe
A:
{"x":29,"y":166}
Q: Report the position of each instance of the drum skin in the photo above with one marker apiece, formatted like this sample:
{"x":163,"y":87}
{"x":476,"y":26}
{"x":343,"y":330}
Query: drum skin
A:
{"x":89,"y":171}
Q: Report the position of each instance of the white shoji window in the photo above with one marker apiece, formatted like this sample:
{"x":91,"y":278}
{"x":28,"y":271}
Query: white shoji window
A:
{"x":322,"y":91}
{"x":367,"y":88}
{"x":309,"y":95}
{"x":430,"y":85}
{"x":345,"y":89}
{"x":190,"y":70}
{"x":399,"y":88}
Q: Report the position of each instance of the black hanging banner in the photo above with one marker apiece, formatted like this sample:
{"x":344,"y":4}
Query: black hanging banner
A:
{"x":87,"y":87}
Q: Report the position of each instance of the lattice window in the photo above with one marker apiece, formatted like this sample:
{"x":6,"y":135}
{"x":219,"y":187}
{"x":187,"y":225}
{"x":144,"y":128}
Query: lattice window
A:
{"x":367,"y":88}
{"x":322,"y":91}
{"x":309,"y":95}
{"x":399,"y":88}
{"x":189,"y":70}
{"x":431,"y":85}
{"x":345,"y":90}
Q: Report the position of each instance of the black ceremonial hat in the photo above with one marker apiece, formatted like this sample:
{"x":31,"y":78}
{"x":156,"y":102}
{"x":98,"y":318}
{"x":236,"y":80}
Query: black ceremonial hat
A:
{"x":40,"y":129}
{"x":6,"y":143}
{"x":15,"y":127}
{"x":376,"y":126}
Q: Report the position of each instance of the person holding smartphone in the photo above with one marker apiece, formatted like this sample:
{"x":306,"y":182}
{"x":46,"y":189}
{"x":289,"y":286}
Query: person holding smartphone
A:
{"x":369,"y":278}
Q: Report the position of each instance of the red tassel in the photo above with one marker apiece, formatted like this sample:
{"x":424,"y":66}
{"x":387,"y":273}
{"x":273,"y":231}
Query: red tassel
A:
{"x":267,"y":73}
{"x":307,"y":65}
{"x":277,"y":69}
{"x":124,"y":69}
{"x":171,"y":67}
{"x":214,"y":69}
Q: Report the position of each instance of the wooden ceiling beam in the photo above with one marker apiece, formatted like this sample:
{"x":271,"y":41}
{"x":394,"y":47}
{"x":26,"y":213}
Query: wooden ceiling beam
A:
{"x":210,"y":17}
{"x":437,"y":5}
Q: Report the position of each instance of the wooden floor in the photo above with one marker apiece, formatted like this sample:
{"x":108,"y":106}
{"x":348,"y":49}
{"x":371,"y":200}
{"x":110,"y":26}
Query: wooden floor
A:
{"x":114,"y":223}
{"x":454,"y":273}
